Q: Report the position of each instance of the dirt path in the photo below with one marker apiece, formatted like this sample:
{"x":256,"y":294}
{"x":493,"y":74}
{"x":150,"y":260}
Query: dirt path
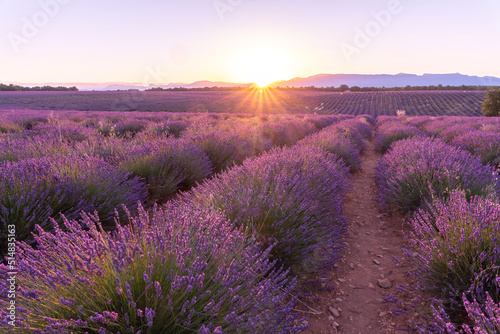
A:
{"x":368,"y":272}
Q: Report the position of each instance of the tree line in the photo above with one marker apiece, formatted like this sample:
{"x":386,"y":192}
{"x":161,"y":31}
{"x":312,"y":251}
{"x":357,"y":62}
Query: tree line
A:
{"x":344,"y":88}
{"x":341,"y":88}
{"x":13,"y":88}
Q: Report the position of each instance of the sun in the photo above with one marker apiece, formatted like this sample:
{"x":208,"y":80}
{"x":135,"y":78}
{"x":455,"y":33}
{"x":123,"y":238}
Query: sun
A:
{"x":261,"y":65}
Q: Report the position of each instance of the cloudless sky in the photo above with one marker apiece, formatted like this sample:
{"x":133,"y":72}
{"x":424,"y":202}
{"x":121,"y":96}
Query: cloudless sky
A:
{"x":165,"y":41}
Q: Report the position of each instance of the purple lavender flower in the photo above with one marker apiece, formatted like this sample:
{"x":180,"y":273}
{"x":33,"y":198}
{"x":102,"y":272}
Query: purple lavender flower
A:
{"x":389,"y":132}
{"x":224,"y":149}
{"x":291,"y":196}
{"x":418,"y":169}
{"x":185,"y":247}
{"x":333,"y":142}
{"x":34,"y":190}
{"x":167,"y":166}
{"x":459,"y":245}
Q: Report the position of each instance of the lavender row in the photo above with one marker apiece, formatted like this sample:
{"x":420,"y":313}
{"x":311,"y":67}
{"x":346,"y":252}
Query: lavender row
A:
{"x":477,"y":135}
{"x":393,"y":129}
{"x":35,"y":190}
{"x":455,"y":228}
{"x":290,"y":196}
{"x":419,"y":169}
{"x":168,"y":270}
{"x":458,"y":261}
{"x":345,"y":139}
{"x":293,"y":196}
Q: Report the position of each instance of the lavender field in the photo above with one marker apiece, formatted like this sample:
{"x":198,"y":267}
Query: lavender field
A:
{"x":144,"y":222}
{"x":268,"y":100}
{"x":124,"y":255}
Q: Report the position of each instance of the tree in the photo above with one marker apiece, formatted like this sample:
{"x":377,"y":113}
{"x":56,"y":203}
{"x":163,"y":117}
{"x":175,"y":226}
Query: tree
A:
{"x":343,"y":88}
{"x":491,"y":105}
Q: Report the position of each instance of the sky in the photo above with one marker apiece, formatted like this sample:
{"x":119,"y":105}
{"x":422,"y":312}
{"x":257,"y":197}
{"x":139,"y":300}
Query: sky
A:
{"x":165,"y":41}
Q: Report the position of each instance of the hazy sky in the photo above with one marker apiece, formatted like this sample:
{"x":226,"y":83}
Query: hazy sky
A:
{"x":164,"y":41}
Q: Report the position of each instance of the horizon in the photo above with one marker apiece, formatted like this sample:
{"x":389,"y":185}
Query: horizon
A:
{"x":29,"y":84}
{"x":148,"y":44}
{"x":137,"y":85}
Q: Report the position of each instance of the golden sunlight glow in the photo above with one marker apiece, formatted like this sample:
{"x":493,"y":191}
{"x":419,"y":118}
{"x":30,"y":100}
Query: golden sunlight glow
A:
{"x":261,"y":65}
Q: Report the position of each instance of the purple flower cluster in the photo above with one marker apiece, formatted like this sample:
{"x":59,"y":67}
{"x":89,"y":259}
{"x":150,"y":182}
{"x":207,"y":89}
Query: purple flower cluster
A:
{"x":486,"y":145}
{"x":478,"y":135}
{"x":322,"y":121}
{"x":173,"y":128}
{"x":8,"y":126}
{"x":168,"y":270}
{"x":285,"y":133}
{"x":333,"y":141}
{"x":15,"y":149}
{"x":356,"y":125}
{"x":292,"y":197}
{"x":366,"y":118}
{"x":458,"y":242}
{"x":417,"y":169}
{"x":485,"y":318}
{"x":355,"y":131}
{"x":224,"y":149}
{"x":34,"y":190}
{"x":62,"y":131}
{"x":389,"y":132}
{"x":167,"y":166}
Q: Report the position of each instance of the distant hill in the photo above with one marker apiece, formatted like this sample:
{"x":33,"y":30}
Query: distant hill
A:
{"x":202,"y":84}
{"x":388,"y":80}
{"x":319,"y":80}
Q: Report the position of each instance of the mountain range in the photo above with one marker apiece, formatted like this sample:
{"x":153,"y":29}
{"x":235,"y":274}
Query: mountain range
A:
{"x":319,"y":80}
{"x":388,"y":80}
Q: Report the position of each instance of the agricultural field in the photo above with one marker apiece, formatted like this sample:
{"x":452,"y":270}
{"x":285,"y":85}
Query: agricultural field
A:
{"x":267,"y":101}
{"x":99,"y":192}
{"x":151,"y":222}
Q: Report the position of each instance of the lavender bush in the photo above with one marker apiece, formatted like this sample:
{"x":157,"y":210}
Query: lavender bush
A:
{"x":130,"y":128}
{"x":277,"y":134}
{"x":174,"y":128}
{"x":323,"y":121}
{"x":167,"y":166}
{"x":417,"y":169}
{"x":108,"y":148}
{"x":390,"y":132}
{"x":458,"y":242}
{"x":484,"y":144}
{"x":351,"y":131}
{"x":7,"y":126}
{"x":29,"y":120}
{"x":358,"y":126}
{"x":336,"y":144}
{"x":167,"y":271}
{"x":63,"y":131}
{"x":34,"y":190}
{"x":19,"y":148}
{"x":223,"y":149}
{"x":485,"y":316}
{"x":456,"y":130}
{"x":293,"y":196}
{"x":368,"y":119}
{"x":420,"y":121}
